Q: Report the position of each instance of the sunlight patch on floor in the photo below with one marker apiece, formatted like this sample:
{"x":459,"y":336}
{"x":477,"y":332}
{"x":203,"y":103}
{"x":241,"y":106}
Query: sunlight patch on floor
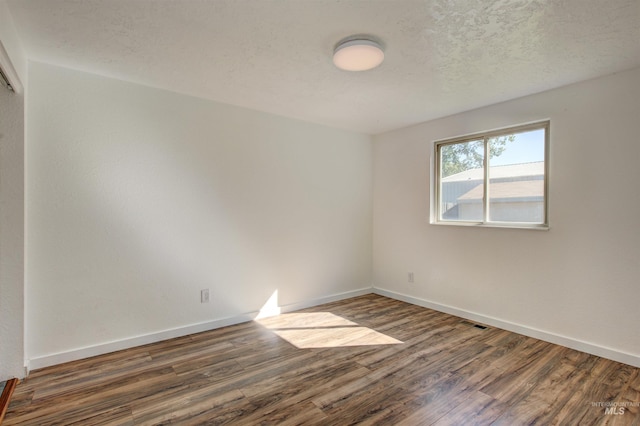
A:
{"x":323,"y":330}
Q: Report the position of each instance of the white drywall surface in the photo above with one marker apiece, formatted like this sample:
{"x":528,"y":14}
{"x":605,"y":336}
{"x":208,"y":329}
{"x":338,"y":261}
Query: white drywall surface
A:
{"x":580,"y":279}
{"x":138,"y":198}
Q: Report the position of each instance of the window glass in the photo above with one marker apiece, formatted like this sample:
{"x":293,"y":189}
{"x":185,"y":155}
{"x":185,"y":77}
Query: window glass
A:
{"x":462,"y":169}
{"x":498,"y":178}
{"x":516,"y":176}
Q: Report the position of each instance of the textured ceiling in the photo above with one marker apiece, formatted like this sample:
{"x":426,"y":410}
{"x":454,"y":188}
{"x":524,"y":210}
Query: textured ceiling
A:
{"x":442,"y":56}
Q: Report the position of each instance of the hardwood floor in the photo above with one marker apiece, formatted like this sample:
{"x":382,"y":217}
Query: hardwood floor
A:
{"x":366,"y":360}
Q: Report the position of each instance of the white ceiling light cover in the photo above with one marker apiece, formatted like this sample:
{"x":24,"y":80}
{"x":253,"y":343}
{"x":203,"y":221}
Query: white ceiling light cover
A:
{"x":358,"y":55}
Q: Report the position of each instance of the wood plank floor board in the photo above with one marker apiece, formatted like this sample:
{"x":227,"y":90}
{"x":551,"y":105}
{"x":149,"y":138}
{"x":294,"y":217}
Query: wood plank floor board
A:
{"x":204,"y":401}
{"x":174,"y":391}
{"x":286,"y":400}
{"x":269,"y":357}
{"x":119,"y":416}
{"x":491,"y":359}
{"x":188,"y":352}
{"x":305,"y":413}
{"x":547,"y":396}
{"x":478,"y":409}
{"x":418,"y":380}
{"x":114,"y":386}
{"x":436,"y":400}
{"x":436,"y":343}
{"x":516,"y":380}
{"x":97,"y":379}
{"x":439,"y":370}
{"x":207,"y":367}
{"x":78,"y":406}
{"x":554,"y":390}
{"x":506,"y":340}
{"x":252,"y":376}
{"x":296,"y":381}
{"x":374,"y":401}
{"x":581,"y":407}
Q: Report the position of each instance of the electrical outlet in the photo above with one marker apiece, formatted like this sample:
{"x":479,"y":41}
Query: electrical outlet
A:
{"x":410,"y":276}
{"x":204,"y":296}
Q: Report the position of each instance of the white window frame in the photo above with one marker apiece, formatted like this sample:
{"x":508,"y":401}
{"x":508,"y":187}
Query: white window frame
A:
{"x":436,"y":205}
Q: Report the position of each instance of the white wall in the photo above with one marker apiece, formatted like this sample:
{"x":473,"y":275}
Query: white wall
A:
{"x":11,"y":208}
{"x":578,"y":283}
{"x":137,"y":198}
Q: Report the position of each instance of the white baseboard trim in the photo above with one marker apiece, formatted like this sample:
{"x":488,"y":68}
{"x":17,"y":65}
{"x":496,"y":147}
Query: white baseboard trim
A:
{"x":117,"y":345}
{"x":104,"y":348}
{"x":579,"y":345}
{"x":326,"y":299}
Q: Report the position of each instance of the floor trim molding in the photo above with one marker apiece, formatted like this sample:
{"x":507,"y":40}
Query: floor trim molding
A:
{"x":601,"y":351}
{"x":104,"y":348}
{"x":86,"y":352}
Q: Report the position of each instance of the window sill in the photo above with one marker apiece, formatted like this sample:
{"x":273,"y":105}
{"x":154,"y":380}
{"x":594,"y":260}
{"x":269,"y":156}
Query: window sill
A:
{"x":534,"y":227}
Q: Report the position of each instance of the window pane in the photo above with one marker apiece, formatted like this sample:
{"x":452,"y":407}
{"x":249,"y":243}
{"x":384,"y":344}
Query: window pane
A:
{"x":516,"y":177}
{"x":461,"y":183}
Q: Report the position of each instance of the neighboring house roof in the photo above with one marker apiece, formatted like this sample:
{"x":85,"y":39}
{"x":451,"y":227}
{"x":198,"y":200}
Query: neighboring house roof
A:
{"x":499,"y":172}
{"x":521,"y":190}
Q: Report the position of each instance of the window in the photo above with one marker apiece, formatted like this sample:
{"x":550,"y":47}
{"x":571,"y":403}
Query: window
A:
{"x":497,"y":178}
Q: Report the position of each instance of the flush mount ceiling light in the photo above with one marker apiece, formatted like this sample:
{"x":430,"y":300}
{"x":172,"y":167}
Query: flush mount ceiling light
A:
{"x":357,"y":54}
